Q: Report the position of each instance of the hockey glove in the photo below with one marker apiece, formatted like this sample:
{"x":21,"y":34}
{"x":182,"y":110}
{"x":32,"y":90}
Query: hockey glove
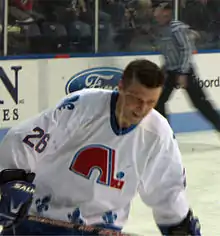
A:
{"x":16,"y":194}
{"x":190,"y":226}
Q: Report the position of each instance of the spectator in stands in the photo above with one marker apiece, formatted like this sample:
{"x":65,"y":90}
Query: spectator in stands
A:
{"x":139,"y":13}
{"x":25,"y":5}
{"x":21,"y":10}
{"x":203,"y":16}
{"x":114,"y":9}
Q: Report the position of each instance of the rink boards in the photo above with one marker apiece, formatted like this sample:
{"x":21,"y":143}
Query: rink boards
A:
{"x":30,"y":86}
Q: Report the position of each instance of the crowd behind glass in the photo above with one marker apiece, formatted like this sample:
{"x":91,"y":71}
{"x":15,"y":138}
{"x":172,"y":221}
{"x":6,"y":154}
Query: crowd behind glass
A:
{"x":88,"y":26}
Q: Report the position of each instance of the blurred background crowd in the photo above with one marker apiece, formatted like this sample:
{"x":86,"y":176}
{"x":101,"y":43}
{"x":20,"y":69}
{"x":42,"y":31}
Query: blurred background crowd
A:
{"x":70,"y":26}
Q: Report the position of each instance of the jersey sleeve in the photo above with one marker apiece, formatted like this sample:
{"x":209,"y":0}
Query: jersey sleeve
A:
{"x":27,"y":143}
{"x":162,"y":184}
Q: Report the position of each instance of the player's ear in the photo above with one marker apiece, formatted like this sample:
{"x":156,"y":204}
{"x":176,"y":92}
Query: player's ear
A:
{"x":120,"y":85}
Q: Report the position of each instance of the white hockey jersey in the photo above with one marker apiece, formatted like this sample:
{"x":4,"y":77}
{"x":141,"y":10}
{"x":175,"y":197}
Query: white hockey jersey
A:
{"x":88,"y":170}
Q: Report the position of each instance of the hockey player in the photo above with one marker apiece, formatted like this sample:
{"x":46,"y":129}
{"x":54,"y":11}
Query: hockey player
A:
{"x":91,"y":154}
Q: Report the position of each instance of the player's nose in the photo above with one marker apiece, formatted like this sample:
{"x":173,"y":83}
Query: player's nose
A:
{"x":142,"y":108}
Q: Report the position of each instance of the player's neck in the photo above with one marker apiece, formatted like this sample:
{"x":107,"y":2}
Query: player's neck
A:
{"x":122,"y":122}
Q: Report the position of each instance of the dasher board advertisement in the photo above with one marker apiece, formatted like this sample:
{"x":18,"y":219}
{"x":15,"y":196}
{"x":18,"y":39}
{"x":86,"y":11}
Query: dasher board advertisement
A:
{"x":68,"y":75}
{"x":18,"y":91}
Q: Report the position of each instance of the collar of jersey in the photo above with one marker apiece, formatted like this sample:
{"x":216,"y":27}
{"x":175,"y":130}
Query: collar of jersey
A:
{"x":114,"y":124}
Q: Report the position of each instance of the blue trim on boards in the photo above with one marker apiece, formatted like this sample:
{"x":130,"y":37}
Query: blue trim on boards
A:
{"x":189,"y":122}
{"x":181,"y":123}
{"x":3,"y":133}
{"x":83,"y":55}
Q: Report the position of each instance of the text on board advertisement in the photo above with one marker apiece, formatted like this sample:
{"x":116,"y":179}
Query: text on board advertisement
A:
{"x":10,"y":113}
{"x":102,"y":77}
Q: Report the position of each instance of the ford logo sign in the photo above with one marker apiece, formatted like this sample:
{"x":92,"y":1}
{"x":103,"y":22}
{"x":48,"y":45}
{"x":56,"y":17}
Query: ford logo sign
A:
{"x":102,"y":77}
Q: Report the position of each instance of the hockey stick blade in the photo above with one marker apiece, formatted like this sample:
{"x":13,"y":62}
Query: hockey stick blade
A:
{"x":83,"y":228}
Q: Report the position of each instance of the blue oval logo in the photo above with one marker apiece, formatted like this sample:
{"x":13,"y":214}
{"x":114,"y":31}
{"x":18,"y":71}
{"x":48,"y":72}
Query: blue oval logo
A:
{"x":101,"y":77}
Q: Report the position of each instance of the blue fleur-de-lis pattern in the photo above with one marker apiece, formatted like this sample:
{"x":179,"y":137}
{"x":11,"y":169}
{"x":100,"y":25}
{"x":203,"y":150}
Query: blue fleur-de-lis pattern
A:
{"x":42,"y":204}
{"x":76,"y":217}
{"x":68,"y":103}
{"x":109,"y":217}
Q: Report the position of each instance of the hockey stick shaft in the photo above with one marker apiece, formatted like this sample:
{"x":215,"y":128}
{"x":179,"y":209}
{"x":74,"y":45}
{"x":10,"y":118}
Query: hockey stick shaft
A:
{"x":83,"y":228}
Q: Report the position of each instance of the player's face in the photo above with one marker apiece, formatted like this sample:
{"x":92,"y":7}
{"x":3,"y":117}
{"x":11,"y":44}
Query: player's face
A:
{"x":136,"y":101}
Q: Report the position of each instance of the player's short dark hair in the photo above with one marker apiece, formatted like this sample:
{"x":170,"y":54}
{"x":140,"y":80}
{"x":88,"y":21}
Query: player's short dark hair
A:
{"x":145,"y":72}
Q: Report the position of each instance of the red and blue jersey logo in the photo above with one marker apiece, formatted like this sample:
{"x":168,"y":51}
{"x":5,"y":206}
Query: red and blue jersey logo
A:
{"x":101,"y":158}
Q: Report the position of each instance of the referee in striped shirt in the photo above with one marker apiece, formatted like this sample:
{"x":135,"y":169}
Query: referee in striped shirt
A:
{"x":177,"y":47}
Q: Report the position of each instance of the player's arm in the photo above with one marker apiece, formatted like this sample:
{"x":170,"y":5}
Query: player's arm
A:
{"x":162,"y":188}
{"x":181,"y":35}
{"x":26,"y":144}
{"x":23,"y":147}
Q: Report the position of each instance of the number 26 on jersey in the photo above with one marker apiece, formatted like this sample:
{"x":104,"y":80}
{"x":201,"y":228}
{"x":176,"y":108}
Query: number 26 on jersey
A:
{"x":37,"y":140}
